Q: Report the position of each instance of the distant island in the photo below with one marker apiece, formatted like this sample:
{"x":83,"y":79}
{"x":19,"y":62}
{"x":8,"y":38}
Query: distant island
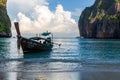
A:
{"x":101,"y":20}
{"x":5,"y":23}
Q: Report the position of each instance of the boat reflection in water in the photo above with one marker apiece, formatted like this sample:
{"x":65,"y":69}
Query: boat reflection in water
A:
{"x":44,"y":54}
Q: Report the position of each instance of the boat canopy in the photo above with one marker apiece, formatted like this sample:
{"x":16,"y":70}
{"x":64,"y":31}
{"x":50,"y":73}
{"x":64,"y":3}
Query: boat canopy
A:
{"x":39,"y":38}
{"x":46,"y":33}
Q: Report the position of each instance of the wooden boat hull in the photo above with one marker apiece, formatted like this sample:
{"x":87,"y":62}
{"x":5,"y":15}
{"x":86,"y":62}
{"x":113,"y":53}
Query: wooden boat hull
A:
{"x":33,"y":44}
{"x":29,"y":45}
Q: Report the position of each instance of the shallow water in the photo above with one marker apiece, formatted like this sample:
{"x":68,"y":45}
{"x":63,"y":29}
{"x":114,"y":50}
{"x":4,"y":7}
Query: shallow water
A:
{"x":75,"y":59}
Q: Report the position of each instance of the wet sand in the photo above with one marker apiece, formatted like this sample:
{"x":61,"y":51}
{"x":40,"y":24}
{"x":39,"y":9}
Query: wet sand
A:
{"x":60,"y":76}
{"x":84,"y":71}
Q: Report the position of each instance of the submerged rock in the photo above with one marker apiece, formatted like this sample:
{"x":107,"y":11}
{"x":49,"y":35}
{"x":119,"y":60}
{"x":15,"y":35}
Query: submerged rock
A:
{"x":5,"y":23}
{"x":101,"y":20}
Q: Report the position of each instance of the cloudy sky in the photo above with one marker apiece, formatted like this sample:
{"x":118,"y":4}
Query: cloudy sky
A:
{"x":57,"y":16}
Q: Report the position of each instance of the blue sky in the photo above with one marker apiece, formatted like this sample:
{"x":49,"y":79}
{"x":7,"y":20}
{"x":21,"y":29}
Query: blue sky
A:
{"x":58,"y":16}
{"x":71,"y":5}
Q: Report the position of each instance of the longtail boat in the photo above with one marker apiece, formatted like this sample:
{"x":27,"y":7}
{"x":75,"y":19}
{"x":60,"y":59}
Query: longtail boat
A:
{"x":34,"y":44}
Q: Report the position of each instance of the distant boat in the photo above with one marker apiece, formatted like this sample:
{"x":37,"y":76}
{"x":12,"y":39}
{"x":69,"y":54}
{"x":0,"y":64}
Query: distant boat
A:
{"x":34,"y":44}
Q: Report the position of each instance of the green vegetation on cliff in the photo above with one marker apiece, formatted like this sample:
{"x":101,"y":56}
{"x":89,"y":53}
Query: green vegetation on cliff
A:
{"x":5,"y":23}
{"x":3,"y":28}
{"x":99,"y":9}
{"x":101,"y":20}
{"x":3,"y":2}
{"x":113,"y":17}
{"x":117,"y":0}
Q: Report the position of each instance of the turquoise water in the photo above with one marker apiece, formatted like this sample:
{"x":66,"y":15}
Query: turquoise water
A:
{"x":75,"y":59}
{"x":72,"y":49}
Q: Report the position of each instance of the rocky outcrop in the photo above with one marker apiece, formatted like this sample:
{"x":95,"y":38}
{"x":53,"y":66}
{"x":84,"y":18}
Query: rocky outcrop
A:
{"x":101,"y":20}
{"x":5,"y":23}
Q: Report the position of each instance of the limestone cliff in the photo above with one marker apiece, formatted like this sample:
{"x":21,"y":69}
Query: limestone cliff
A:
{"x":101,"y":20}
{"x":5,"y":24}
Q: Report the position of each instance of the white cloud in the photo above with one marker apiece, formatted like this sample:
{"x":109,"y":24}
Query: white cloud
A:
{"x":36,"y":17}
